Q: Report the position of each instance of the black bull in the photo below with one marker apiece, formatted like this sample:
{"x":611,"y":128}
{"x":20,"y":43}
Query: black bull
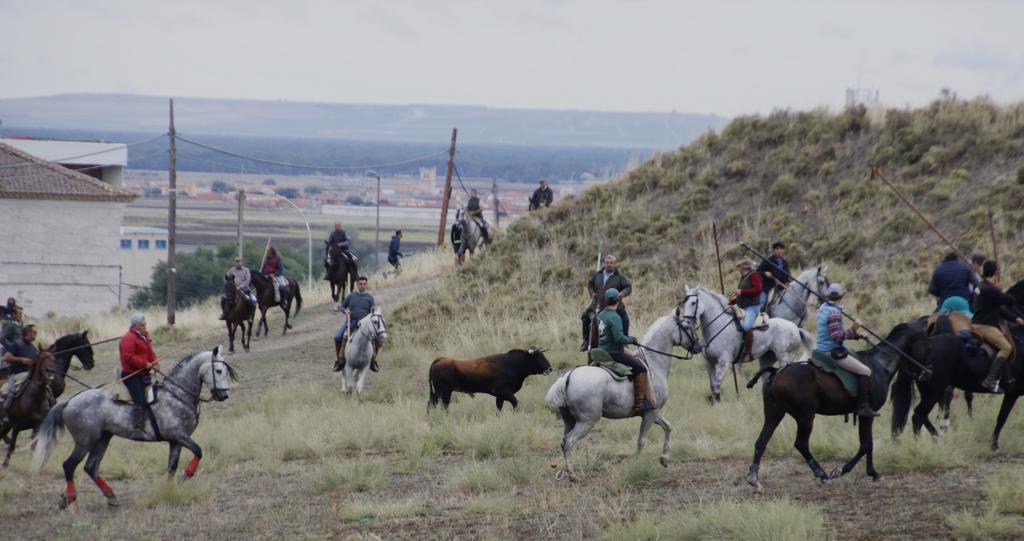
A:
{"x":500,"y":375}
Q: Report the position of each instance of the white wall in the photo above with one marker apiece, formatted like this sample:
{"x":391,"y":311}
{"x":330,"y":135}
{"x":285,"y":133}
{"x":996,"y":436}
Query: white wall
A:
{"x":137,"y":264}
{"x":60,"y":256}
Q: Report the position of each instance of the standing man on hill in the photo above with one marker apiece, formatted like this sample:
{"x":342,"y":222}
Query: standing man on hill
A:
{"x":774,"y":273}
{"x":602,"y":280}
{"x":952,"y":278}
{"x":394,"y":250}
{"x":541,"y":196}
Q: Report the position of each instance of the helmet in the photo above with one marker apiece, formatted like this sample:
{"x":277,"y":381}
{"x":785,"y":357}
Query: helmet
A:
{"x":611,"y":294}
{"x":836,"y":291}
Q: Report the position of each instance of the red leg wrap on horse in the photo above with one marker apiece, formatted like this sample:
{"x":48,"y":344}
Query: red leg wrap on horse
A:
{"x":104,"y":487}
{"x":192,"y":466}
{"x":72,"y":496}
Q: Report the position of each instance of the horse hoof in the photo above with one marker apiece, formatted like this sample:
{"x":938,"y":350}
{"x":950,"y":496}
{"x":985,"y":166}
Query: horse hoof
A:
{"x":663,"y":461}
{"x":559,"y":475}
{"x":112,"y":502}
{"x":836,"y":474}
{"x":64,"y":502}
{"x":995,"y":446}
{"x":875,"y":477}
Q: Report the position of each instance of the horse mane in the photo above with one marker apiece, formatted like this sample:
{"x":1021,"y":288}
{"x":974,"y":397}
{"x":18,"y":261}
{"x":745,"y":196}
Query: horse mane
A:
{"x":714,"y":294}
{"x":179,"y":366}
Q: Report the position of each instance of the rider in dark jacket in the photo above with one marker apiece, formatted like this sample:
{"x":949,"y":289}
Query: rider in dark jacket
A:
{"x":991,"y":308}
{"x":952,"y":278}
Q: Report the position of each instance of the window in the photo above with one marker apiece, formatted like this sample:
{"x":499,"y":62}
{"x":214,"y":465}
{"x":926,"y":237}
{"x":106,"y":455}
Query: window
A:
{"x":143,"y":244}
{"x":126,"y":244}
{"x":161,"y":245}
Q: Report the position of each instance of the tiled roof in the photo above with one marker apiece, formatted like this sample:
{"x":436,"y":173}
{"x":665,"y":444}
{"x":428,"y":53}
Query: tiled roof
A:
{"x":34,"y":178}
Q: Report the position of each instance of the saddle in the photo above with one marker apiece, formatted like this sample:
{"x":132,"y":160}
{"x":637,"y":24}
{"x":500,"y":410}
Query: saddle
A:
{"x":119,"y":398}
{"x":825,"y":363}
{"x":958,"y":322}
{"x":601,"y":359}
{"x":760,"y":323}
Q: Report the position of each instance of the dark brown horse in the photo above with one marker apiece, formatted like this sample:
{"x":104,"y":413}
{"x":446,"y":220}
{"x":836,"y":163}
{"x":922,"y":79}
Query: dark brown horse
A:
{"x":265,"y":286}
{"x":238,"y":313}
{"x":340,"y":271}
{"x":45,"y":381}
{"x":803,"y":391}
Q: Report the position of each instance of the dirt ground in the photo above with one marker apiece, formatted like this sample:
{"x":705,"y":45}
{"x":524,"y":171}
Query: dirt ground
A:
{"x":252,"y":501}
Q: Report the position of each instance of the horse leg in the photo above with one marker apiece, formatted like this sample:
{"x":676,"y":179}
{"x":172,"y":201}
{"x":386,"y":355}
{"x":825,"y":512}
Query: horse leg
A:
{"x":346,"y":377}
{"x":921,"y":413}
{"x":945,"y":405}
{"x":660,"y":421}
{"x":173,"y":456}
{"x":1004,"y":411}
{"x":197,"y":455}
{"x":804,"y":426}
{"x":969,"y":399}
{"x":715,"y":385}
{"x":262,"y":324}
{"x":231,"y":337}
{"x":773,"y":415}
{"x":246,"y":335}
{"x":577,"y":433}
{"x":11,"y":446}
{"x":92,"y":467}
{"x":287,"y":307}
{"x":360,"y":378}
{"x":646,"y":422}
{"x":864,"y":431}
{"x":70,"y":465}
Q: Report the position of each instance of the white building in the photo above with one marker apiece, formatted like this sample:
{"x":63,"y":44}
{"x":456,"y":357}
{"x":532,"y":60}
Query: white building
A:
{"x":141,"y":249}
{"x":61,"y":230}
{"x":102,"y":161}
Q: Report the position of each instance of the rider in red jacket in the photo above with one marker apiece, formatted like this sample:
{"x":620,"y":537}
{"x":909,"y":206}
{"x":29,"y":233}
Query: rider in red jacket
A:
{"x":137,"y":358}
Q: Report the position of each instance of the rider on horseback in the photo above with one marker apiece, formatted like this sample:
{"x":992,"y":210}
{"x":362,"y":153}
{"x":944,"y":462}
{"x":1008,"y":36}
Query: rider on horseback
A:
{"x":273,"y":266}
{"x":748,"y":299}
{"x":243,"y":284}
{"x":338,"y":242}
{"x":992,"y":307}
{"x":137,"y":360}
{"x":612,"y":339}
{"x":774,"y":273}
{"x":357,"y":306}
{"x":831,"y":336}
{"x":601,"y":281}
{"x":476,"y":212}
{"x":951,"y":277}
{"x":18,"y":358}
{"x":12,"y":328}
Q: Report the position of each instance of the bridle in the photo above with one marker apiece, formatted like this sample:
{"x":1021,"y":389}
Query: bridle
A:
{"x":692,"y":325}
{"x":198,"y":396}
{"x":818,"y":276}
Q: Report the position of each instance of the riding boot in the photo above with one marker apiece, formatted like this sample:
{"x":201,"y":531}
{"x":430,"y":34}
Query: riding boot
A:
{"x":863,"y":395}
{"x":639,"y":388}
{"x":992,"y":381}
{"x":8,"y":404}
{"x":339,"y":352}
{"x":373,"y":361}
{"x":586,"y":334}
{"x":748,"y":343}
{"x":138,"y":424}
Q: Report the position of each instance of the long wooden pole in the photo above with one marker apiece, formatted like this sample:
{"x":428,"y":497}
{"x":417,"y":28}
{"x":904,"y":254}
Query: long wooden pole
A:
{"x":992,"y":233}
{"x":241,"y":223}
{"x":875,"y":173}
{"x":172,"y":211}
{"x":721,"y":283}
{"x":446,"y":196}
{"x":266,"y":250}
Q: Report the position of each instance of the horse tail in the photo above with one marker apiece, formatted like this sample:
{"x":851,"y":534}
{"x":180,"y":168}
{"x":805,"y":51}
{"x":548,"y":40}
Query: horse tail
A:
{"x":298,"y":299}
{"x":902,"y":397}
{"x":557,"y":395}
{"x":769,"y":370}
{"x":46,"y":441}
{"x":808,"y":340}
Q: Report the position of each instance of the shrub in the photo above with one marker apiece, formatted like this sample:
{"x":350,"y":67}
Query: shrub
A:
{"x":360,"y":476}
{"x":778,"y":519}
{"x":785,"y":188}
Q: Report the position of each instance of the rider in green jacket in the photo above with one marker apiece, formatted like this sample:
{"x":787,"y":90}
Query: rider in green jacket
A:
{"x":612,"y":340}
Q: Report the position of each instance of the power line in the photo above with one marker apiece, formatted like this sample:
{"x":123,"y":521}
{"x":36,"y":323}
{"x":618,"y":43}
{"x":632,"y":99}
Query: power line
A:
{"x":80,"y":169}
{"x":310,"y":166}
{"x":69,"y":158}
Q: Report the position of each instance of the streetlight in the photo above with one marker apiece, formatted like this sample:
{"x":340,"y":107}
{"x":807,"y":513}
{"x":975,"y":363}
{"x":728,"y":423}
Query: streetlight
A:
{"x":376,"y":237}
{"x":309,"y":234}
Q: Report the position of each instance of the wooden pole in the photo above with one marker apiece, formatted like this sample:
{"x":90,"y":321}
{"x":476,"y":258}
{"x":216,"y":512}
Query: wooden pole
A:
{"x":721,"y":283}
{"x":266,"y":250}
{"x":172,"y":211}
{"x":446,"y":196}
{"x":494,"y":193}
{"x":992,"y":233}
{"x":241,"y":223}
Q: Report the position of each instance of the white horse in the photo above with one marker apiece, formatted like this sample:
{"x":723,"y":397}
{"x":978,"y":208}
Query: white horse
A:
{"x":472,"y":236}
{"x":791,"y":304}
{"x":362,"y":344}
{"x":723,"y":340}
{"x":585,"y":394}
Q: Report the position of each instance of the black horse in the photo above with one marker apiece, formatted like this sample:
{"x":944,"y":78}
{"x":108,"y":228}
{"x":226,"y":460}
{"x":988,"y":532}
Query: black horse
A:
{"x":75,"y":345}
{"x":955,"y":366}
{"x":803,"y":391}
{"x":341,"y":272}
{"x":265,"y":286}
{"x":238,"y":314}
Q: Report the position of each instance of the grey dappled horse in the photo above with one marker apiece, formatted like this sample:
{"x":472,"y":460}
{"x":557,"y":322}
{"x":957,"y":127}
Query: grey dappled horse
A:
{"x":472,"y":236}
{"x":585,"y":394}
{"x":359,"y":351}
{"x":93,"y":417}
{"x":711,"y":313}
{"x":791,"y":304}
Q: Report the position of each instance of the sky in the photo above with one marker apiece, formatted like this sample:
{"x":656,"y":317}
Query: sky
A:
{"x":725,"y":57}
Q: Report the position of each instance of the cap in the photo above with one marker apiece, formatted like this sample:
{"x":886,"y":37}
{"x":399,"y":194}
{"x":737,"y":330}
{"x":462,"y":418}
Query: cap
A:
{"x":836,"y":291}
{"x":611,"y":294}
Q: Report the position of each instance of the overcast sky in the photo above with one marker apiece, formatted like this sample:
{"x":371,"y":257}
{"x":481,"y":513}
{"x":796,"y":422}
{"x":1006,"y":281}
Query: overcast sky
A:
{"x":715,"y":56}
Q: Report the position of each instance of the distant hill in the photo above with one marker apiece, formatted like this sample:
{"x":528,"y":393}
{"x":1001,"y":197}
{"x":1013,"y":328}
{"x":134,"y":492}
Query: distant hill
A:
{"x":384,"y":123}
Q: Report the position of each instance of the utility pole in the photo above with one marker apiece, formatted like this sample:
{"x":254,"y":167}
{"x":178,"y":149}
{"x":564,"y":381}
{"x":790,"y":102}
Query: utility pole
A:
{"x":447,"y":189}
{"x":241,"y":222}
{"x":494,"y":194}
{"x":172,"y":211}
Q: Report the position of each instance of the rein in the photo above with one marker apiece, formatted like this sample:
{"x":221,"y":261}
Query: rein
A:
{"x":90,"y":344}
{"x":652,"y":350}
